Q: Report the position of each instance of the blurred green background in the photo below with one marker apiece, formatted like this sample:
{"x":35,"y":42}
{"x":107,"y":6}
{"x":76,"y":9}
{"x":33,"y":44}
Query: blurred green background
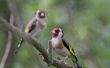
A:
{"x":86,"y":24}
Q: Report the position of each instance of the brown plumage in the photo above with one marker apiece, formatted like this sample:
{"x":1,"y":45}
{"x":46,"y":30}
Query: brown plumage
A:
{"x":35,"y":26}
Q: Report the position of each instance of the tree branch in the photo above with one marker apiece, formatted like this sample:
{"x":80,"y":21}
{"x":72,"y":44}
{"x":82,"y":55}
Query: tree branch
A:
{"x":35,"y":44}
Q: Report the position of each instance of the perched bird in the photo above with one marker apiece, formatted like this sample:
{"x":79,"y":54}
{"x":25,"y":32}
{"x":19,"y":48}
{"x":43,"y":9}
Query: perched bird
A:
{"x":35,"y":26}
{"x":60,"y":46}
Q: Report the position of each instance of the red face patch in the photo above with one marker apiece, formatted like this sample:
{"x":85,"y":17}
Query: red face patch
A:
{"x":55,"y":32}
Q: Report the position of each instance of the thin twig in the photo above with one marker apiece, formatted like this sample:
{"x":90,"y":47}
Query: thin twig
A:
{"x":13,"y":7}
{"x":50,"y":49}
{"x":35,"y":44}
{"x":7,"y":50}
{"x":8,"y":46}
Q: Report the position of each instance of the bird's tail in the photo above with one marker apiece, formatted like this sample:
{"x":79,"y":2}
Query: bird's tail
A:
{"x":75,"y":61}
{"x":18,"y":46}
{"x":74,"y":58}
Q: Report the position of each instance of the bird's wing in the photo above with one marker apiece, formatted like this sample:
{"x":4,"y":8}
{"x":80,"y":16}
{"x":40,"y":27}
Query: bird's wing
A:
{"x":69,"y":48}
{"x":65,"y":44}
{"x":31,"y":25}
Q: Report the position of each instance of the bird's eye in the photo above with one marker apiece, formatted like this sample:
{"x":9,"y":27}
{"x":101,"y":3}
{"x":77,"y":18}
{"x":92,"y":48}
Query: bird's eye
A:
{"x":41,"y":14}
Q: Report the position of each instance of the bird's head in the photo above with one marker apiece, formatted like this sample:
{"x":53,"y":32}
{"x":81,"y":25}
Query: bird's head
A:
{"x":40,"y":14}
{"x":57,"y":32}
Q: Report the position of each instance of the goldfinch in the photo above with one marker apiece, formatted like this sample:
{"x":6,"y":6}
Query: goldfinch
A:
{"x":36,"y":26}
{"x":60,"y":46}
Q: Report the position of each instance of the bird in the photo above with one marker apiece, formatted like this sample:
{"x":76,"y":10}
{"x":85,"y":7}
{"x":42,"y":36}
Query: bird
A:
{"x":62,"y":47}
{"x":35,"y":26}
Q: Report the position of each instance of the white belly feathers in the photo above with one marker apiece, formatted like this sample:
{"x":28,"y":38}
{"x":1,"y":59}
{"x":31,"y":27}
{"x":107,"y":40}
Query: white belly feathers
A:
{"x":63,"y":51}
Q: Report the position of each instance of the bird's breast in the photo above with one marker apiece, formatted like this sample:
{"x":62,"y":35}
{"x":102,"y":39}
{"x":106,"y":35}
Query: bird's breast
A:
{"x":62,"y":52}
{"x":55,"y":42}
